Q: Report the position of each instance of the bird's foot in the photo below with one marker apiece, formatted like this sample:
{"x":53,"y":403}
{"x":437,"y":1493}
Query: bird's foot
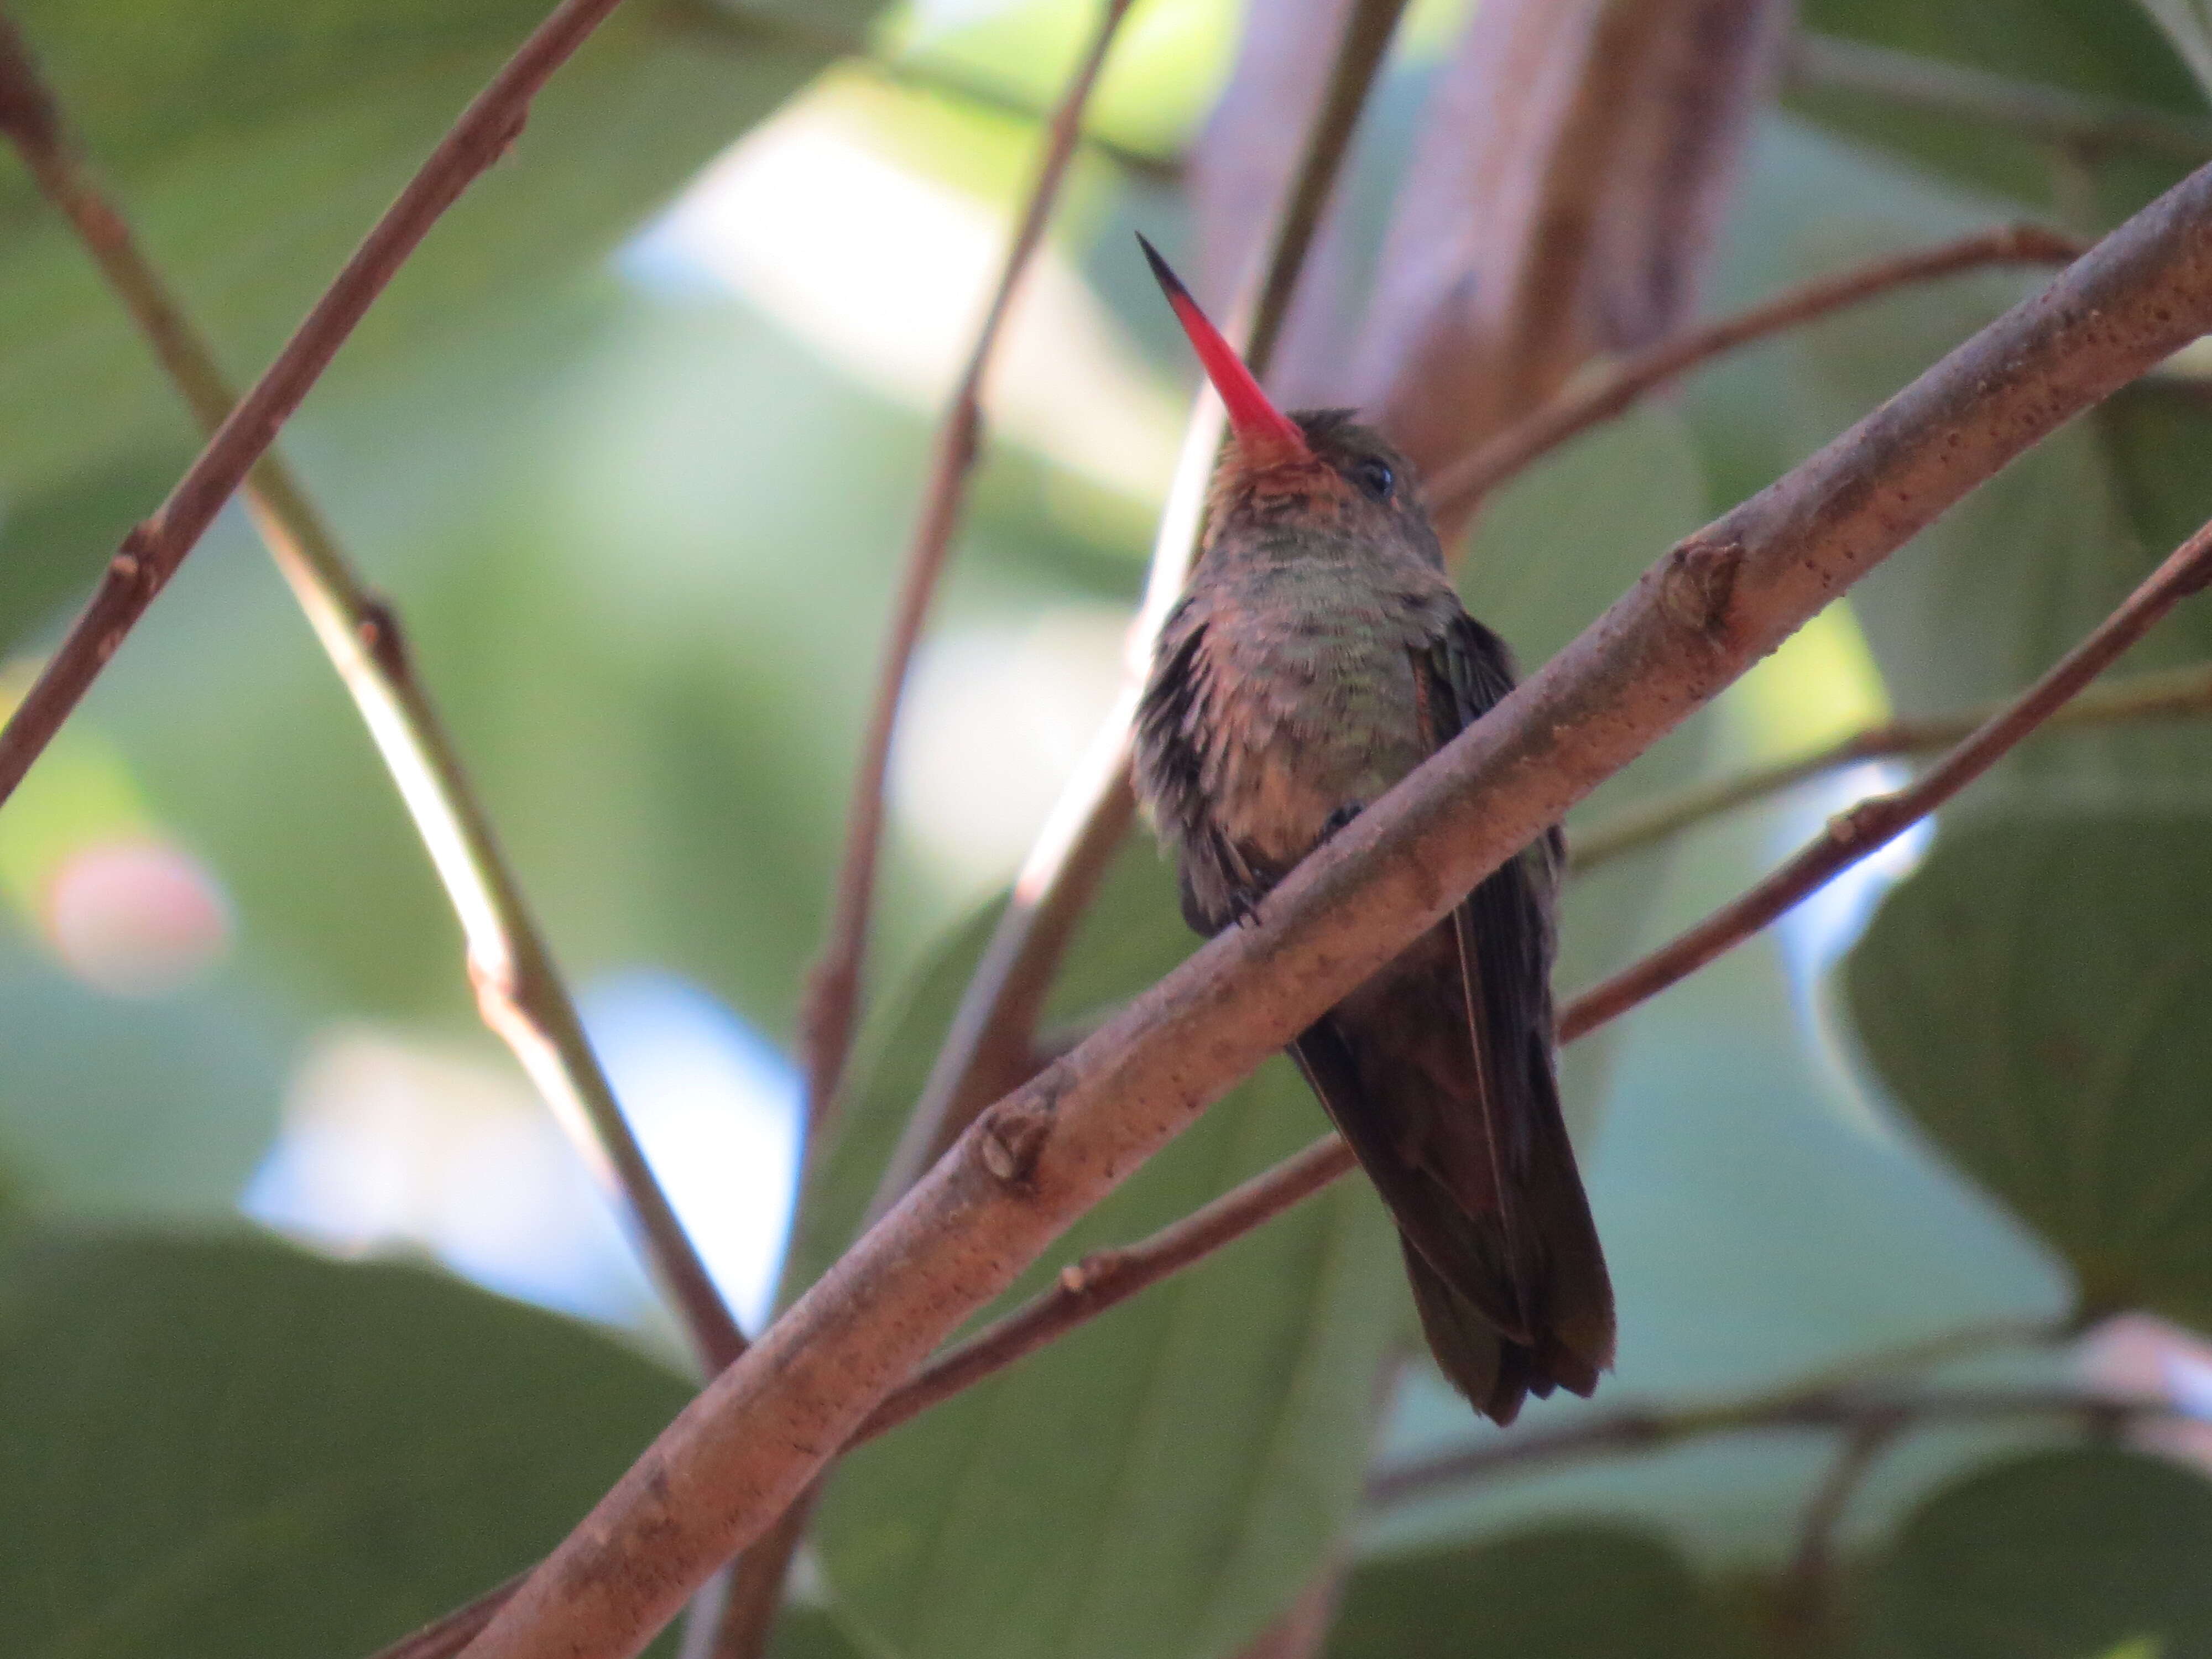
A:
{"x":1339,"y":819}
{"x":1243,"y":910}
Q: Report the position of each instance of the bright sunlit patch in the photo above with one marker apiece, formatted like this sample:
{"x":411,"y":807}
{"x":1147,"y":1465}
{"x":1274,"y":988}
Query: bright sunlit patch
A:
{"x":392,"y":1144}
{"x":995,"y":721}
{"x":137,"y":918}
{"x":716,"y":1109}
{"x":887,"y":272}
{"x":1820,"y":685}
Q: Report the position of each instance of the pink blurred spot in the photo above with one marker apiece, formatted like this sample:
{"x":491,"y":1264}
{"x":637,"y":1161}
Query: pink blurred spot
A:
{"x":136,"y":918}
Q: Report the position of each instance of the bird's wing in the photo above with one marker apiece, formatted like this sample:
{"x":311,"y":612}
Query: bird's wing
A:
{"x":1504,"y":935}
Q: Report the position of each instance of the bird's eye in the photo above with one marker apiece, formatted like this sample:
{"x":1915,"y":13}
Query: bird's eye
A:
{"x":1374,"y":477}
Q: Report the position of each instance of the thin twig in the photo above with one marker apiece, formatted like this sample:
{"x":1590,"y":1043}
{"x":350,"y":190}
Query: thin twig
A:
{"x":2162,"y":694}
{"x":1036,"y":1161}
{"x":1808,"y":1613}
{"x":518,"y":989}
{"x":833,"y":990}
{"x":1853,"y":834}
{"x":1643,"y":1430}
{"x":2073,"y":120}
{"x":1105,"y":1278}
{"x":1600,"y":396}
{"x":151,"y":552}
{"x":987,"y":1045}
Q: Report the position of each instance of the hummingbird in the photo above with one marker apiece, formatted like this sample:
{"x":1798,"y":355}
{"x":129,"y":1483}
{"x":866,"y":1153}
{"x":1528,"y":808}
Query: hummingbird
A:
{"x":1318,"y":653}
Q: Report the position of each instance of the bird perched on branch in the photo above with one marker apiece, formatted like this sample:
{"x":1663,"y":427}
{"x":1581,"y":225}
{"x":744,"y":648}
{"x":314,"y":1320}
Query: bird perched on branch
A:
{"x":1318,"y":655}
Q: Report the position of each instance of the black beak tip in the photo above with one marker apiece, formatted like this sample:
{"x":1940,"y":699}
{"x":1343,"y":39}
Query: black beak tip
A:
{"x":1162,"y":271}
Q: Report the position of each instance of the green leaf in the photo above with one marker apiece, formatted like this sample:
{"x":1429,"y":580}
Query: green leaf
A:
{"x":1560,"y":1592}
{"x":2032,"y":996}
{"x":220,"y":1445}
{"x":1163,"y":1480}
{"x":2089,"y":48}
{"x":254,"y":144}
{"x":2060,"y":1555}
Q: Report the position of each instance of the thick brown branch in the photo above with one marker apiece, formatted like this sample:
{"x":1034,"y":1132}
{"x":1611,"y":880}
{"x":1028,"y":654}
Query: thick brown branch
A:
{"x":2164,"y":694}
{"x":152,"y":551}
{"x":1032,"y":1163}
{"x":833,"y":993}
{"x":518,"y":989}
{"x":1608,"y":392}
{"x":1852,"y":835}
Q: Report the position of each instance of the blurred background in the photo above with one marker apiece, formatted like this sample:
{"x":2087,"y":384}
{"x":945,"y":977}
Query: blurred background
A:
{"x":633,"y":446}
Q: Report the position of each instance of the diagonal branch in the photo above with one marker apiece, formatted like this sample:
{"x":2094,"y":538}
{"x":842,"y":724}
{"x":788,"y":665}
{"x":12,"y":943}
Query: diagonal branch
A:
{"x":1608,"y":392}
{"x":1035,"y":1161}
{"x":1880,"y":819}
{"x":518,"y":987}
{"x":986,"y":1049}
{"x":152,"y":551}
{"x":833,"y":990}
{"x":2162,"y":694}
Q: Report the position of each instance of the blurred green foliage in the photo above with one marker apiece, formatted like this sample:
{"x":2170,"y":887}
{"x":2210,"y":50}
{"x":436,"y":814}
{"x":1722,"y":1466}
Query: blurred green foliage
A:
{"x":643,"y":530}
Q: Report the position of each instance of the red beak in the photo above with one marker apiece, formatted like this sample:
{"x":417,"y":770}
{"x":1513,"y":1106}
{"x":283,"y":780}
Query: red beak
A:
{"x":1264,"y":433}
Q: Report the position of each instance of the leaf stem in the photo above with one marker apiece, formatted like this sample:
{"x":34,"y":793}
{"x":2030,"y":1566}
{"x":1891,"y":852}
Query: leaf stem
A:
{"x":518,"y":990}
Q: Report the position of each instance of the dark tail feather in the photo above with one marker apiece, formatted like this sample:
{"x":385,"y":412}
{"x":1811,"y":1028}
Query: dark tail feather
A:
{"x":1498,"y":1335}
{"x":1495,"y":1373}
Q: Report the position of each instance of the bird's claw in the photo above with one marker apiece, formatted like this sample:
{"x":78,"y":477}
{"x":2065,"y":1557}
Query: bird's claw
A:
{"x":1342,"y":816}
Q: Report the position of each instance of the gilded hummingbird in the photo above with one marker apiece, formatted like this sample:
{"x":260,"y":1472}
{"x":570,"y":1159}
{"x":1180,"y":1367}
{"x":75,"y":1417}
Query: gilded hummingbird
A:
{"x":1318,"y":654}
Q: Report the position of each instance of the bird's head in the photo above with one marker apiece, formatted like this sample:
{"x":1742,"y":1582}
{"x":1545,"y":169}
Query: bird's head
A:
{"x":1314,"y":475}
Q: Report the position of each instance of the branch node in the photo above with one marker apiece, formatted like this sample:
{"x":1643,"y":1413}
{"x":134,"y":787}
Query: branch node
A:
{"x":1010,"y":1137}
{"x":1079,"y":1278}
{"x":1698,"y":585}
{"x":2031,"y":241}
{"x":28,"y":113}
{"x":377,"y":628}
